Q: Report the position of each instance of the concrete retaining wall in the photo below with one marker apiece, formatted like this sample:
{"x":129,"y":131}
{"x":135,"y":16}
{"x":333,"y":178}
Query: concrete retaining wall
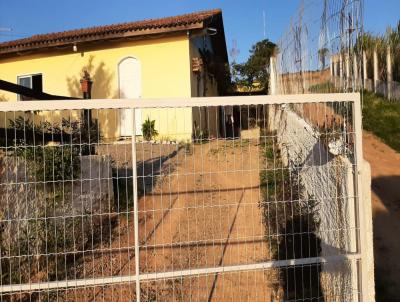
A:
{"x":328,"y":180}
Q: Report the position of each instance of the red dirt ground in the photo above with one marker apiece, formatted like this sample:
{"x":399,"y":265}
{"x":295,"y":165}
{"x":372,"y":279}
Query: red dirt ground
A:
{"x":203,"y":213}
{"x":385,"y":170}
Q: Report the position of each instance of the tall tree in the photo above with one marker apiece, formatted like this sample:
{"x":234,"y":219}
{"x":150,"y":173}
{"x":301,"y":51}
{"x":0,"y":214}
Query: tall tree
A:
{"x":256,"y":68}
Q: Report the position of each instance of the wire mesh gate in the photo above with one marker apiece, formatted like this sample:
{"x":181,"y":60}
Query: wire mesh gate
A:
{"x":220,"y":199}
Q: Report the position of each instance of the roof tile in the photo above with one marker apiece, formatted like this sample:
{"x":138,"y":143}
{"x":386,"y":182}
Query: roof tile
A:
{"x":36,"y":41}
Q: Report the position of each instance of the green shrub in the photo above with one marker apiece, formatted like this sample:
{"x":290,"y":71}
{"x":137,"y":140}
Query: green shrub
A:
{"x":382,"y":117}
{"x":51,"y":163}
{"x":148,"y":129}
{"x":327,"y":87}
{"x":36,"y":244}
{"x":25,"y":132}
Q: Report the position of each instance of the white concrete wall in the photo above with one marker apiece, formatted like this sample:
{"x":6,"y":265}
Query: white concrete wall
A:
{"x":329,"y":180}
{"x":369,"y":252}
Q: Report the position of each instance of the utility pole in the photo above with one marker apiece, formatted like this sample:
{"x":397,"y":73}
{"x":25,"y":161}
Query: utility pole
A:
{"x":264,"y":23}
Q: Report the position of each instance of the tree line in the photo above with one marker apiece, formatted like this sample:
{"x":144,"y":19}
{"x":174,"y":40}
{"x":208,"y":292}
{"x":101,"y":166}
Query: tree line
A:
{"x":254,"y":73}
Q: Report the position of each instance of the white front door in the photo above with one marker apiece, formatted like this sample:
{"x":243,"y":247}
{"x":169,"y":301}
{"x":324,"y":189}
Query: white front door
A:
{"x":130,"y":87}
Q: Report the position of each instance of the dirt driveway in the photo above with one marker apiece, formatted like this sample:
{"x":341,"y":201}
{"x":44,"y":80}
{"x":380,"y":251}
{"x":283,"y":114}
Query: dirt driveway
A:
{"x":198,"y":208}
{"x":206,"y":214}
{"x":385,"y":168}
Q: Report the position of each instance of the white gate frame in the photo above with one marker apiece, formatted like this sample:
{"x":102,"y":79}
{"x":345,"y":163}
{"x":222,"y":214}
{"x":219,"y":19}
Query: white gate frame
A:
{"x":362,"y":237}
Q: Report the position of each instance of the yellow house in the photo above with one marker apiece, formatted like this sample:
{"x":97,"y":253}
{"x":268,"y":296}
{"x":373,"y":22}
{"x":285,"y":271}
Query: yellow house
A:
{"x":173,"y":57}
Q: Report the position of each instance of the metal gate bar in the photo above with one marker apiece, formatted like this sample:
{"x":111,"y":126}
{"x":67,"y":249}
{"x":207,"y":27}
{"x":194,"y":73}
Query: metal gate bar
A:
{"x":353,"y":98}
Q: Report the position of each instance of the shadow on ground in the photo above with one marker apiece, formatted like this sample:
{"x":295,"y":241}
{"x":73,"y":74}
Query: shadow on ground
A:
{"x":386,"y":223}
{"x":149,"y":173}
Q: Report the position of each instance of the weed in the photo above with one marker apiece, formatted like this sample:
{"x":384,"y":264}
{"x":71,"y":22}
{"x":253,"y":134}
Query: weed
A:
{"x":382,"y":117}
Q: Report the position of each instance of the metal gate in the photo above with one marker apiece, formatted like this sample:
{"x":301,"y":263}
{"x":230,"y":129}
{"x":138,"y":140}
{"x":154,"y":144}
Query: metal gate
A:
{"x":232,"y":198}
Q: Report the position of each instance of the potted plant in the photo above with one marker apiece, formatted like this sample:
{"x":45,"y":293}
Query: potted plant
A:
{"x":148,"y":129}
{"x":86,"y":84}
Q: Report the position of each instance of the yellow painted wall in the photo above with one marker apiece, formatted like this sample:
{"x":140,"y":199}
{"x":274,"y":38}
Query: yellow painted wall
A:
{"x":165,"y":66}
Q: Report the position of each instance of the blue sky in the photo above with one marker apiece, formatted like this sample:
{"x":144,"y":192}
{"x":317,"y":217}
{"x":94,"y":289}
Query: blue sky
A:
{"x":243,"y":20}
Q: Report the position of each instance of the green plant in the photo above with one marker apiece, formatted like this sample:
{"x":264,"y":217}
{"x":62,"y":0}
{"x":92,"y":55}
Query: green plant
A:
{"x":26,"y":132}
{"x":49,"y":155}
{"x":42,"y":235}
{"x":327,"y":87}
{"x":200,"y":136}
{"x":148,"y":129}
{"x":371,"y":42}
{"x":256,"y":68}
{"x":51,"y":163}
{"x":381,"y":117}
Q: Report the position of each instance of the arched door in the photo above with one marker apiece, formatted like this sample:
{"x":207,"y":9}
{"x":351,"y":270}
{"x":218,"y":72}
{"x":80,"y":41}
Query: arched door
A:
{"x":130,"y":87}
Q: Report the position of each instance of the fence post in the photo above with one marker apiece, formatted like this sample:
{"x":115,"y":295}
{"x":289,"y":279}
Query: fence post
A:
{"x":355,"y":74}
{"x":362,"y":236}
{"x":369,"y":253}
{"x":389,"y":72}
{"x":272,"y":77}
{"x":375,"y":70}
{"x":365,"y":74}
{"x":135,"y":206}
{"x":347,"y":60}
{"x":333,"y":70}
{"x":341,"y":71}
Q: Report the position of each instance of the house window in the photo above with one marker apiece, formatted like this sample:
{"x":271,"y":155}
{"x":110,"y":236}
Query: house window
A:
{"x":34,"y":81}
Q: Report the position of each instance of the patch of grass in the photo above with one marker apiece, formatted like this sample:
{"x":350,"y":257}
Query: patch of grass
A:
{"x":231,"y":145}
{"x":200,"y":136}
{"x":326,"y":87}
{"x":382,"y":117}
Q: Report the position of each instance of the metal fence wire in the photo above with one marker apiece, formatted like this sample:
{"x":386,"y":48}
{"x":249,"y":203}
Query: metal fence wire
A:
{"x":246,"y":198}
{"x":321,"y":49}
